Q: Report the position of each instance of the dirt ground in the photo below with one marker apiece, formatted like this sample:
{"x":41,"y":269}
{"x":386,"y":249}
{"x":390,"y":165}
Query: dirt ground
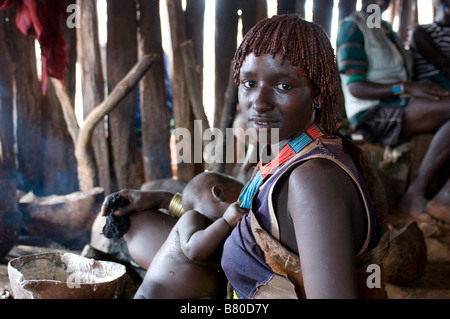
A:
{"x":434,"y":283}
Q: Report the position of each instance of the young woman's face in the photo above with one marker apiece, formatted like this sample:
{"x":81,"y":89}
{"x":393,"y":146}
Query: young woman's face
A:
{"x":275,"y":95}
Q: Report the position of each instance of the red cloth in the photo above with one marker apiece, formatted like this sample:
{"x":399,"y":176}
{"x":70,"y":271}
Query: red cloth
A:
{"x":41,"y":19}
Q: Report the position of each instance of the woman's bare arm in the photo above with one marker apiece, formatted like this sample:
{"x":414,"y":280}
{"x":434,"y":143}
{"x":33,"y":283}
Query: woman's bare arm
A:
{"x":139,"y":200}
{"x":321,"y":198}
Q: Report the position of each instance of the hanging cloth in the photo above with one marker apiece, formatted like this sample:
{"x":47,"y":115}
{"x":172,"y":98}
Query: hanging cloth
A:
{"x":42,"y":19}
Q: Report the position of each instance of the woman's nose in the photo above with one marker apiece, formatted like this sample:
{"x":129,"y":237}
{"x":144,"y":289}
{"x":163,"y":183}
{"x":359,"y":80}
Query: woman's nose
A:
{"x":262,"y":100}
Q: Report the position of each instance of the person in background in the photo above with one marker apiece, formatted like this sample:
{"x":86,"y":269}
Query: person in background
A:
{"x":386,"y":106}
{"x":430,"y":46}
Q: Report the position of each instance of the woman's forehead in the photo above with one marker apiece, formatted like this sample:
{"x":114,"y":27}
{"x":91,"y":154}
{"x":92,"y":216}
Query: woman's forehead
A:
{"x":276,"y":61}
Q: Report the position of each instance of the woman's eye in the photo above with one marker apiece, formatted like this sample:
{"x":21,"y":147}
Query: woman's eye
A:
{"x":283,"y":86}
{"x":248,"y":84}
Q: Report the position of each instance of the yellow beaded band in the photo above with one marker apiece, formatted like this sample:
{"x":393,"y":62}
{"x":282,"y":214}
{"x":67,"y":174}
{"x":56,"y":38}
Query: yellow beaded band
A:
{"x":176,"y":206}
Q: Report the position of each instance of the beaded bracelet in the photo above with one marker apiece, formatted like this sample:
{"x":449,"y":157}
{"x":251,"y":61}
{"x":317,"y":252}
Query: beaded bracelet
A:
{"x":176,"y":206}
{"x":398,"y":89}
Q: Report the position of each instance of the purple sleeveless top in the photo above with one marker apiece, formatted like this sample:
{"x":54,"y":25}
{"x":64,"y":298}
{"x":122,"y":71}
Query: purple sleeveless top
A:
{"x":243,"y":261}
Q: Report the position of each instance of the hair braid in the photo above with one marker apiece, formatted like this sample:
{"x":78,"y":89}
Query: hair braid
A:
{"x":304,"y":44}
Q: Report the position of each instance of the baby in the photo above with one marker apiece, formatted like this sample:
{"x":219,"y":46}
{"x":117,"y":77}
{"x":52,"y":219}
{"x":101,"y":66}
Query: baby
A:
{"x":187,"y":265}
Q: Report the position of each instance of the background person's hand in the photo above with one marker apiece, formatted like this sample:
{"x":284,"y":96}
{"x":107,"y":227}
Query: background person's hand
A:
{"x":428,"y":90}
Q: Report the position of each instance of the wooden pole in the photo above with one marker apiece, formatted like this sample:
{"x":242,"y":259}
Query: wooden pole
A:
{"x":93,"y":87}
{"x":322,"y":14}
{"x":121,"y":55}
{"x":153,"y":97}
{"x":226,"y":41}
{"x":27,"y":99}
{"x":67,"y":108}
{"x":252,"y":12}
{"x":406,"y":18}
{"x":195,"y":17}
{"x":7,"y":156}
{"x":182,"y":112}
{"x":83,"y":151}
{"x":193,"y":82}
{"x":286,"y":6}
{"x":228,"y":114}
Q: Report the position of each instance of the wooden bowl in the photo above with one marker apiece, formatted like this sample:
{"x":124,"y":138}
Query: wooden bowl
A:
{"x":63,"y":218}
{"x":65,"y":276}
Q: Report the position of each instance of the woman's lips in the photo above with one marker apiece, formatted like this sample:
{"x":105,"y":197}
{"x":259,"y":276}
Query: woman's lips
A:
{"x":263,"y":122}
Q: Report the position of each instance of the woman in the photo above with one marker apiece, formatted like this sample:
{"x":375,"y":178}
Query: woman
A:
{"x":311,"y":226}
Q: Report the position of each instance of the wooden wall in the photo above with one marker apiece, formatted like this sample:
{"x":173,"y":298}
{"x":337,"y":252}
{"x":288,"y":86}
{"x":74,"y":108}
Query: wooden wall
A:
{"x":44,"y":161}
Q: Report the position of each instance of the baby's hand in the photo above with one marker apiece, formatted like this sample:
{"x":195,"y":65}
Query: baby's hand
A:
{"x":234,"y":214}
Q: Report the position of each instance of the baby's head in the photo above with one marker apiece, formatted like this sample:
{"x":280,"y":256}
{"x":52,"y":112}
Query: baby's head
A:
{"x":211,"y":193}
{"x":306,"y":45}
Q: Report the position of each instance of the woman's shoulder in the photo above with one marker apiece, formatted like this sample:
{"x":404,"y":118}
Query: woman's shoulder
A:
{"x":322,"y":188}
{"x":319,"y":172}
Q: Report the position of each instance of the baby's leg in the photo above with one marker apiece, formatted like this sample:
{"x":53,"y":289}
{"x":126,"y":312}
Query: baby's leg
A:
{"x":148,"y":231}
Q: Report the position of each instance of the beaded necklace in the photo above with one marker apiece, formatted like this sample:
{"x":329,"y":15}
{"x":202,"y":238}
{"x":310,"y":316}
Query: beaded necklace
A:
{"x":262,"y":171}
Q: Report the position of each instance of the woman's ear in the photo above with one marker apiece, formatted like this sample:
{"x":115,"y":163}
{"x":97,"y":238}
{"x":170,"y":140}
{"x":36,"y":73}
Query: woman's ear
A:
{"x":218,"y":193}
{"x":317,"y":102}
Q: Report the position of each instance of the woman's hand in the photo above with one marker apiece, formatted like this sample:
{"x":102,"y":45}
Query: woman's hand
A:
{"x":129,"y":200}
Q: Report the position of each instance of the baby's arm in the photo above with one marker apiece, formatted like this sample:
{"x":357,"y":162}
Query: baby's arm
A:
{"x":198,"y":240}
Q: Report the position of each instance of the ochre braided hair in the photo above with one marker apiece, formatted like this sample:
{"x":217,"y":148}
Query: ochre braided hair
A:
{"x":304,"y":44}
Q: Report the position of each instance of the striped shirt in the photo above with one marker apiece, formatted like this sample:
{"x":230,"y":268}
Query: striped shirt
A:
{"x":440,"y":34}
{"x":350,"y":46}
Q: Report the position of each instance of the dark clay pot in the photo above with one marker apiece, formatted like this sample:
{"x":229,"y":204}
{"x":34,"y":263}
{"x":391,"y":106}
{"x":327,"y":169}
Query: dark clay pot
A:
{"x":407,"y":256}
{"x":9,"y":229}
{"x":10,"y":217}
{"x":62,"y":218}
